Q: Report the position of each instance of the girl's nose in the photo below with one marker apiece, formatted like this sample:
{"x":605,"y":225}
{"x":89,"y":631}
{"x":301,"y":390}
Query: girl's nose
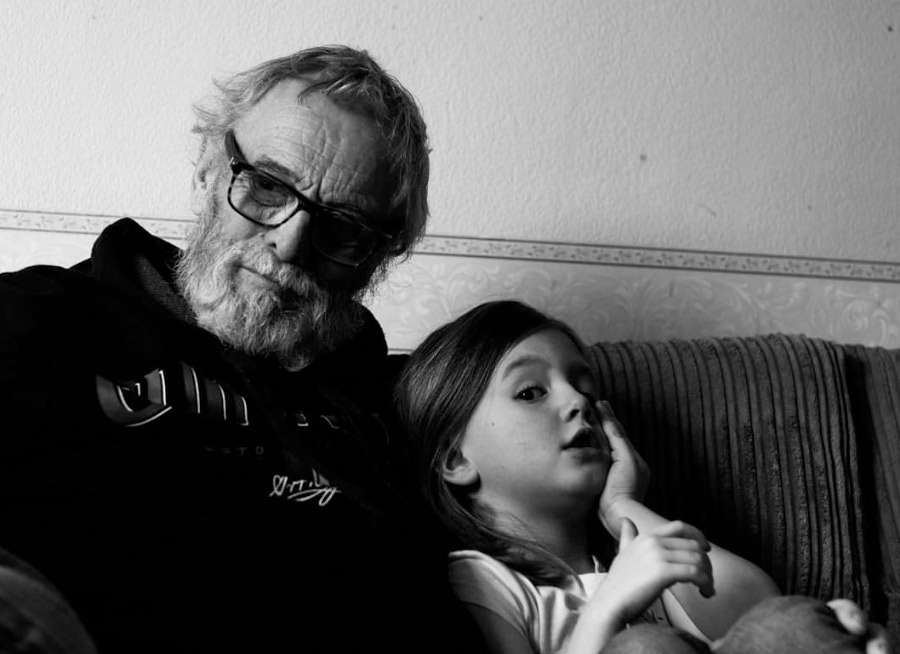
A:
{"x":576,"y":405}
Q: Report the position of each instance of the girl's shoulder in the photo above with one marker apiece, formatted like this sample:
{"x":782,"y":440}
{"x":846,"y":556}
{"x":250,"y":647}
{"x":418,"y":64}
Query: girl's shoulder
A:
{"x":472,"y":564}
{"x":480,"y":579}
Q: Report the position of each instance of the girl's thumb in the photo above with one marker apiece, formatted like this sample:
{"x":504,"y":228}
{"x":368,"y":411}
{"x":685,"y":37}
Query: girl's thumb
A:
{"x":627,"y":533}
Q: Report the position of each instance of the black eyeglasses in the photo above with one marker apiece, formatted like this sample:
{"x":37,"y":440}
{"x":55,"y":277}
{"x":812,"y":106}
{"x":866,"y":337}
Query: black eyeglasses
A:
{"x":336,"y":234}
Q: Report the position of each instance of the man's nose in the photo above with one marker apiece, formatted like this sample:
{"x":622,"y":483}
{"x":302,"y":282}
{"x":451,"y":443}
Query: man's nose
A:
{"x":291,"y":240}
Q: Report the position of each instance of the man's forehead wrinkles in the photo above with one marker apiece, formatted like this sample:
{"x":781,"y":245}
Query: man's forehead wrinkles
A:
{"x":329,"y":154}
{"x":330,"y":177}
{"x":307,"y":162}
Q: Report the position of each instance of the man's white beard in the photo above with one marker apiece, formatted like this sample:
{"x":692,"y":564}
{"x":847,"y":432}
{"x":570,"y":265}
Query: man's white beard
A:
{"x":294,"y":322}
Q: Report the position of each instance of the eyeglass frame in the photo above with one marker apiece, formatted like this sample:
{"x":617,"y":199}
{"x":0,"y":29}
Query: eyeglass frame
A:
{"x":238,"y":164}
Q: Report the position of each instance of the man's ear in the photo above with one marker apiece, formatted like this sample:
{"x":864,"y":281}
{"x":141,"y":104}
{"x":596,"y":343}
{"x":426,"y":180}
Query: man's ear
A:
{"x":202,"y":183}
{"x":458,"y":470}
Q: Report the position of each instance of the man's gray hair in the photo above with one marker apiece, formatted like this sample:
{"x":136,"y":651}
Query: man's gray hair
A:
{"x":353,"y":80}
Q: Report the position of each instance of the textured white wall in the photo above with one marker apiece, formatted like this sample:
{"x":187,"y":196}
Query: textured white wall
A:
{"x":735,"y":125}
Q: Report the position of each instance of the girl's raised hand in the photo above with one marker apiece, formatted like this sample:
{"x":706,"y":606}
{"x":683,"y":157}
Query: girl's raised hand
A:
{"x":628,"y":474}
{"x":649,"y":563}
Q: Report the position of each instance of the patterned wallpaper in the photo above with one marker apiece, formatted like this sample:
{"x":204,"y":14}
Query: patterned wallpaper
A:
{"x":606,"y":292}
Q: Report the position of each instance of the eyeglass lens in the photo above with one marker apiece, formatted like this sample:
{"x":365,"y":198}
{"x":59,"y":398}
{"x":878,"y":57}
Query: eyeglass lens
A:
{"x":267,"y":201}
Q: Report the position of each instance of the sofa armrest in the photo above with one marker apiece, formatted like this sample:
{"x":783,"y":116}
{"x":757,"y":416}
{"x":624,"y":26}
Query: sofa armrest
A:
{"x":874,"y":383}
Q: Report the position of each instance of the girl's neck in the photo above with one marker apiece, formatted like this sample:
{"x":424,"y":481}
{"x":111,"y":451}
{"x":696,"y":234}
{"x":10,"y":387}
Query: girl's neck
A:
{"x":566,"y":538}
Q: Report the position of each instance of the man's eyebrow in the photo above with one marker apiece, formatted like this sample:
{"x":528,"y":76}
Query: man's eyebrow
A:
{"x":276,"y":169}
{"x":286,"y":176}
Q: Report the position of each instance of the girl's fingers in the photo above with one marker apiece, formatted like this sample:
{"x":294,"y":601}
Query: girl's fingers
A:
{"x":700,"y":577}
{"x":678,"y":567}
{"x":608,"y":420}
{"x":689,"y":556}
{"x":682,"y":545}
{"x":615,"y":434}
{"x":691,"y":567}
{"x":681,"y":551}
{"x":677,"y":528}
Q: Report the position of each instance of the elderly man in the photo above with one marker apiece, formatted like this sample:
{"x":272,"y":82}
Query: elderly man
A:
{"x":195,"y":446}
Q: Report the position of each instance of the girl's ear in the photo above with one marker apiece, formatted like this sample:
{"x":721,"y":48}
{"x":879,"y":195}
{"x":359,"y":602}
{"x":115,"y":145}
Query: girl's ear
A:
{"x":458,"y":470}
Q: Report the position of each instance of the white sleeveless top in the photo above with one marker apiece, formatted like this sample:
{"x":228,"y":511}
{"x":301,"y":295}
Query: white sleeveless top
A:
{"x":544,"y":615}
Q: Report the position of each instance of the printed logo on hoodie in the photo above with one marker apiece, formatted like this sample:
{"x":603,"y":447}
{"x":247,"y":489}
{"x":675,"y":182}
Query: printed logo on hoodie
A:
{"x":137,"y":402}
{"x":181,"y":388}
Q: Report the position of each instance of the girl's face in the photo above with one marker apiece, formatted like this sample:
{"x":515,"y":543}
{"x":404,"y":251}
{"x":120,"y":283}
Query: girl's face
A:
{"x":534,"y":442}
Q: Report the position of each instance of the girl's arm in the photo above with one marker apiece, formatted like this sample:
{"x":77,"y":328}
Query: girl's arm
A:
{"x":499,"y":635}
{"x":739,"y":584}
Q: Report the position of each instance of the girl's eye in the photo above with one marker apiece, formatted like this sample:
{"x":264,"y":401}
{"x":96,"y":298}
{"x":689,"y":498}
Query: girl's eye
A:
{"x":530,"y":393}
{"x":590,"y":394}
{"x":586,"y":386}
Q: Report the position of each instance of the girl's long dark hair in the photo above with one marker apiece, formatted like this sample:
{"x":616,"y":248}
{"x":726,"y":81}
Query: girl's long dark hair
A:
{"x":440,"y":385}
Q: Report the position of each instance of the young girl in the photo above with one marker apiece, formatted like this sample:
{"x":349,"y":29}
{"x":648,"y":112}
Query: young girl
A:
{"x":535,"y":480}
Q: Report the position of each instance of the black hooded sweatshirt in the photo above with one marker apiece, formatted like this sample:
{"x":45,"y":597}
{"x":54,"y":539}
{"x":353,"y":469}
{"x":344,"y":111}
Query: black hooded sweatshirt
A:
{"x":187,"y":498}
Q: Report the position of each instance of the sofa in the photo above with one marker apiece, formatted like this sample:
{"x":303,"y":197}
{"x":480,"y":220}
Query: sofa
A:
{"x":782,"y":448}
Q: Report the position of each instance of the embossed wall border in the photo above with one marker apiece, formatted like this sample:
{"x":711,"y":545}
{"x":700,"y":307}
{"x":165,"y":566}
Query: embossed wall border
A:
{"x":537,"y":251}
{"x":72,"y":223}
{"x":611,"y":255}
{"x":605,"y":292}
